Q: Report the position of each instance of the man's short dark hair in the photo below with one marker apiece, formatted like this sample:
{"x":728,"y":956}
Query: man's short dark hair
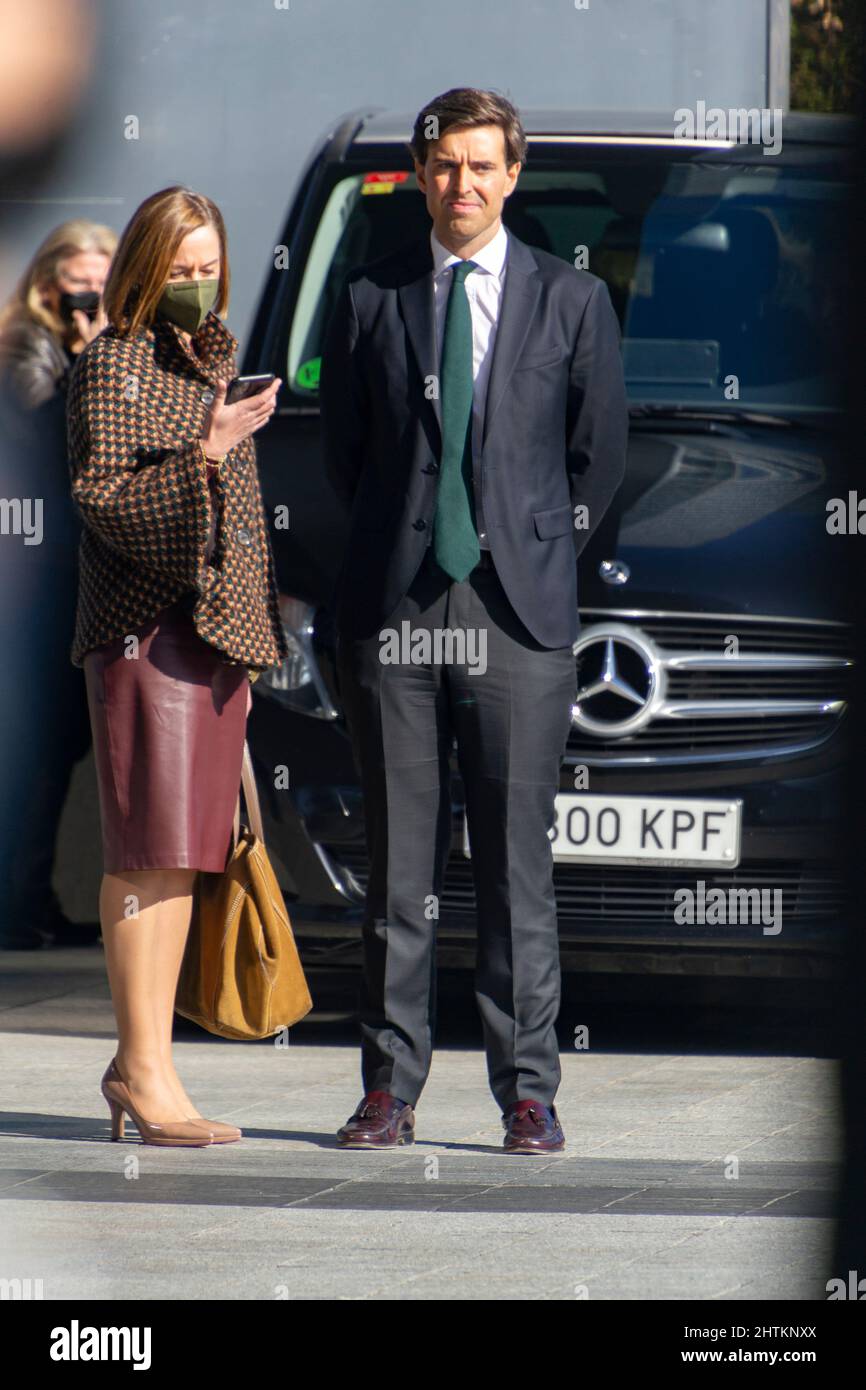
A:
{"x":461,"y":108}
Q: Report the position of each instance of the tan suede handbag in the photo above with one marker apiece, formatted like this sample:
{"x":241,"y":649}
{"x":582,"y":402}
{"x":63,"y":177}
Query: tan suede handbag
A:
{"x":241,"y":975}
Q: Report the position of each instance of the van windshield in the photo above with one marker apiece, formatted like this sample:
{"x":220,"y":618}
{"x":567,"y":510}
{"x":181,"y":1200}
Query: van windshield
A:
{"x":728,"y":279}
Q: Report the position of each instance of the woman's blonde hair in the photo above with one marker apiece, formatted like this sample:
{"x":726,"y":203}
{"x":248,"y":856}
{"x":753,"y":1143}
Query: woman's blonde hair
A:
{"x":148,"y":245}
{"x":69,"y":239}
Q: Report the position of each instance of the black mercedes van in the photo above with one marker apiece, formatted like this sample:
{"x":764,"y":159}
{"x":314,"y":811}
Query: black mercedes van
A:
{"x":699,"y":816}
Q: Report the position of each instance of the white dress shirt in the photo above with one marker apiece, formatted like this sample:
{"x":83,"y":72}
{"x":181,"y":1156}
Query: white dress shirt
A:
{"x":484,"y":292}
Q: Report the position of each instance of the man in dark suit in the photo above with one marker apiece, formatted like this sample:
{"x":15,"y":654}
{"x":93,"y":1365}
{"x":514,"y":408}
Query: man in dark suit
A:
{"x":475,"y":424}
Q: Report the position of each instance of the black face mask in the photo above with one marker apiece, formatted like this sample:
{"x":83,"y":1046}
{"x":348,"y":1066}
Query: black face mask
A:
{"x":87,"y":301}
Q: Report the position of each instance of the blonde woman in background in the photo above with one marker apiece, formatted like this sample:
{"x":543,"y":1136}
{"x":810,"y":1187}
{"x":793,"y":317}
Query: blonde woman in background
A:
{"x":52,"y":315}
{"x":54,"y":311}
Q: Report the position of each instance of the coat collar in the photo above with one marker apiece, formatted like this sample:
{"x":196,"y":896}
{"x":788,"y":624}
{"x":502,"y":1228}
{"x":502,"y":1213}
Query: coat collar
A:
{"x":217,"y":344}
{"x":520,"y":296}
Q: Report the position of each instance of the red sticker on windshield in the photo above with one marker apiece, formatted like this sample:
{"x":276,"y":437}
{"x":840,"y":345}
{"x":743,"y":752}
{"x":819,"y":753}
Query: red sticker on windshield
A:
{"x":398,"y":176}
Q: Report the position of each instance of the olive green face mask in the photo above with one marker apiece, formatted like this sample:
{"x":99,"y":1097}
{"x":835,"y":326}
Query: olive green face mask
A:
{"x":188,"y":302}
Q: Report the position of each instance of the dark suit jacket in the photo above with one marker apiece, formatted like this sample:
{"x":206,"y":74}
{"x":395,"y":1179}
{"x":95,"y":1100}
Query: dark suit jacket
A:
{"x":554,"y":439}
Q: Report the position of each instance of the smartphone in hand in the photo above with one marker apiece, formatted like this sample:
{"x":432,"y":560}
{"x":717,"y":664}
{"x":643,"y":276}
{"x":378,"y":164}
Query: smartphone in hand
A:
{"x":240,"y":387}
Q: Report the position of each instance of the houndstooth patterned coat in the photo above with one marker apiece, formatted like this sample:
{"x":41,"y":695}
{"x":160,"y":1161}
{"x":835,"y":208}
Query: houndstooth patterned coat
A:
{"x":135,"y":409}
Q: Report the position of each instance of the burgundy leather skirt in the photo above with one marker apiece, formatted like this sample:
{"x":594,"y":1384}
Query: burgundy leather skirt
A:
{"x":168,"y":737}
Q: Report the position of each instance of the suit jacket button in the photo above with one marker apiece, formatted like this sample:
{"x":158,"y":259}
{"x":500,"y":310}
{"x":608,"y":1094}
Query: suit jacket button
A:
{"x":207,"y":397}
{"x":243,"y":536}
{"x":431,"y":468}
{"x":419,"y":525}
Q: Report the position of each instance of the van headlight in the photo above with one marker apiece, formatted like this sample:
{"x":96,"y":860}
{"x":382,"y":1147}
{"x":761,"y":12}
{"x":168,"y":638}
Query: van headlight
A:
{"x":298,"y":683}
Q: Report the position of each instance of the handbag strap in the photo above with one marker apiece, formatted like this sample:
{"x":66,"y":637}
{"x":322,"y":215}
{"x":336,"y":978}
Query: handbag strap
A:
{"x":251,"y":800}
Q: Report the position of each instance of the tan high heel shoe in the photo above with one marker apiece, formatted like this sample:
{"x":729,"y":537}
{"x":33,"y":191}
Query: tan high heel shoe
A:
{"x":178,"y":1133}
{"x":222,"y":1133}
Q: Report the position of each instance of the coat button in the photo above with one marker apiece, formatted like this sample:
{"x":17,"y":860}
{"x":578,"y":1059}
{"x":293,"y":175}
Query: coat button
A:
{"x":243,"y":536}
{"x":419,"y":525}
{"x":431,"y":468}
{"x":207,"y":396}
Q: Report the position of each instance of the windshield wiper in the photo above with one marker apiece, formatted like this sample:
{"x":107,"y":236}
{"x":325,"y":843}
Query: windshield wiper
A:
{"x":709,"y":418}
{"x":709,"y":414}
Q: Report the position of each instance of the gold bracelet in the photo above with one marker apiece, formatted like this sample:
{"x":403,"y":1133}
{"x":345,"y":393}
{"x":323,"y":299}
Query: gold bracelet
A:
{"x":218,"y":462}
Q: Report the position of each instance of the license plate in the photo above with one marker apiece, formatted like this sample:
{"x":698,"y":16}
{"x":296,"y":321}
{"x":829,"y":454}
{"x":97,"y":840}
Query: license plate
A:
{"x":662,"y":830}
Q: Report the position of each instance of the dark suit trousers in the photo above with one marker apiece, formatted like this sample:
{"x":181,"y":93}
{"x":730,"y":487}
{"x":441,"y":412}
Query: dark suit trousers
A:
{"x":511,"y":722}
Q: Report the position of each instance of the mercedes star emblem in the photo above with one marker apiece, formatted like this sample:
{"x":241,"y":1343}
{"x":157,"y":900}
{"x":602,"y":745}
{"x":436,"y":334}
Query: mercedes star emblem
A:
{"x":619,"y":680}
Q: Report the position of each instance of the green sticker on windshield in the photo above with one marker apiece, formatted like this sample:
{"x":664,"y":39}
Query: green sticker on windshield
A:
{"x":307,"y":376}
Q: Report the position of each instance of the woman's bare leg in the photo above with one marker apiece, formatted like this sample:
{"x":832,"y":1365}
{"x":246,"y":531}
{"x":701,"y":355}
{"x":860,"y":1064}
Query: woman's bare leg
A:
{"x":145,"y":919}
{"x":163,"y":990}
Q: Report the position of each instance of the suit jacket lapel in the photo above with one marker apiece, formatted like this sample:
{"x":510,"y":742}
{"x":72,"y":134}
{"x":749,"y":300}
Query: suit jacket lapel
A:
{"x":520,"y":296}
{"x":416,"y":301}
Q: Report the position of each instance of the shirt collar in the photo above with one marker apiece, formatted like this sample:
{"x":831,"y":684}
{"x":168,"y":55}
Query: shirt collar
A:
{"x":491,"y":258}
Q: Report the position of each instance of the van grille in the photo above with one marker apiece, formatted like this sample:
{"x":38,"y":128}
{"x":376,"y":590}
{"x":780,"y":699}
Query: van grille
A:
{"x":619,"y":894}
{"x":789,"y":699}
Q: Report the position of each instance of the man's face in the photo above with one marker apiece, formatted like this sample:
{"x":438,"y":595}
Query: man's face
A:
{"x":466,"y":181}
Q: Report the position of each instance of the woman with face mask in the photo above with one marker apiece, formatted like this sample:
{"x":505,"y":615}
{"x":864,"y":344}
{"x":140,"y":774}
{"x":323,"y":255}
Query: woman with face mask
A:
{"x":55,"y":310}
{"x":50,"y":318}
{"x":177,"y":613}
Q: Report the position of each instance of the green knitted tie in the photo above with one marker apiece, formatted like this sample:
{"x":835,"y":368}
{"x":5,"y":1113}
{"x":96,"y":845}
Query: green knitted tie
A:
{"x":455,"y":539}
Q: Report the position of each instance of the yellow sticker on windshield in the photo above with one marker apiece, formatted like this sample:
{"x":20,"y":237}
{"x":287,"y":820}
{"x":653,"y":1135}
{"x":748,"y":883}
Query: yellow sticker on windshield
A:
{"x":379,"y":182}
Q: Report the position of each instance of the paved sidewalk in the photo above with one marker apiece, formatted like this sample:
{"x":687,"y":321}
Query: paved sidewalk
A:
{"x":639,"y":1206}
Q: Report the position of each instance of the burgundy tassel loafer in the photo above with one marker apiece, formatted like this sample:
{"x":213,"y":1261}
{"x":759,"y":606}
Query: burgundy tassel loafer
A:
{"x":381,"y":1121}
{"x":532,"y":1128}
